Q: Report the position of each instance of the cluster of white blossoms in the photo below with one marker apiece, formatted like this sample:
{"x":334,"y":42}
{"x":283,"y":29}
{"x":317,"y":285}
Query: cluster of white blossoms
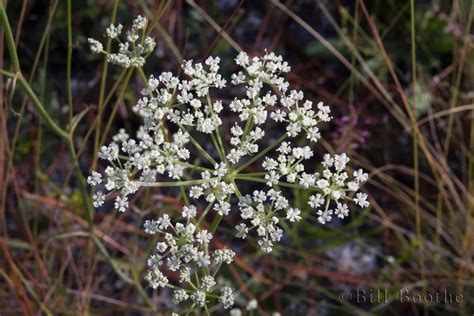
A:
{"x":264,"y":210}
{"x":133,"y":51}
{"x":185,"y":249}
{"x":185,"y":114}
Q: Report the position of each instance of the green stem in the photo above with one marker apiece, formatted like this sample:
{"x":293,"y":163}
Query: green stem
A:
{"x":171,"y":183}
{"x":221,"y":144}
{"x":217,"y":139}
{"x":197,"y":145}
{"x":7,"y":73}
{"x":253,"y":174}
{"x":69,"y":61}
{"x":183,"y":195}
{"x":244,"y":177}
{"x":9,"y":39}
{"x":142,"y":74}
{"x":191,"y":166}
{"x":201,"y":218}
{"x":215,"y":223}
{"x":109,"y":259}
{"x":236,"y":187}
{"x":262,"y":153}
{"x":216,"y":145}
{"x":103,"y":81}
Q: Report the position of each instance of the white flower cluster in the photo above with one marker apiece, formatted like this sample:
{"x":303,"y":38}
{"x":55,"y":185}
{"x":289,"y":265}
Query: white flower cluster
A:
{"x":289,"y":165}
{"x":215,"y":189}
{"x":148,"y":155}
{"x":335,"y":185}
{"x":185,"y":249}
{"x":299,"y":116}
{"x":263,"y":210}
{"x":133,"y":51}
{"x":179,"y":112}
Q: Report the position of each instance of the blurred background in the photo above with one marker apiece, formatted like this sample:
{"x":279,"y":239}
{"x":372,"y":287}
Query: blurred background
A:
{"x":398,"y":76}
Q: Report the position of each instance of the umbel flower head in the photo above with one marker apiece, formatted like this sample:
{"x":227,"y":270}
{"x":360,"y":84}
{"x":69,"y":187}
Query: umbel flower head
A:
{"x":133,"y":51}
{"x":248,"y":173}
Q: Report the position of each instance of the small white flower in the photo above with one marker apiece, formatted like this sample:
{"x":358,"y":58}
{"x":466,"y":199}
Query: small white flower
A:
{"x":242,"y":231}
{"x":340,"y":161}
{"x":203,"y":237}
{"x":95,"y":178}
{"x":235,"y":312}
{"x":307,"y":180}
{"x":161,"y":246}
{"x":189,"y":211}
{"x":361,"y":200}
{"x":315,"y":201}
{"x":353,"y":186}
{"x":235,"y":155}
{"x":196,"y":192}
{"x":95,"y":46}
{"x":272,"y":178}
{"x":185,"y":275}
{"x":224,"y":255}
{"x":252,"y":305}
{"x":139,"y":22}
{"x":293,"y":215}
{"x":266,"y":245}
{"x":324,"y":216}
{"x":121,"y":203}
{"x":164,"y":222}
{"x":222,"y":208}
{"x":242,"y":59}
{"x":180,"y":296}
{"x":99,"y":199}
{"x":199,"y":297}
{"x":342,"y":210}
{"x":208,"y":283}
{"x":156,"y":278}
{"x":113,"y":31}
{"x":226,"y":298}
{"x":119,"y":60}
{"x":360,"y":175}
